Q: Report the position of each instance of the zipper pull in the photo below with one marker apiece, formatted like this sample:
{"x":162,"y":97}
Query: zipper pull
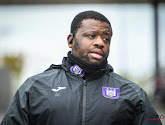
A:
{"x":85,"y":83}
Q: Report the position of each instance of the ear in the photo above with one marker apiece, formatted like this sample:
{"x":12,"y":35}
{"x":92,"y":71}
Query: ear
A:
{"x":70,"y":40}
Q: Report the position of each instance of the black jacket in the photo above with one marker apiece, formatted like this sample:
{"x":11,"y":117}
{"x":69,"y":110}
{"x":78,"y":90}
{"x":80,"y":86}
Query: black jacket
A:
{"x":59,"y":97}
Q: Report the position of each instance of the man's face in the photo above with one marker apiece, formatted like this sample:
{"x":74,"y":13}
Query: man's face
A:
{"x":91,"y":42}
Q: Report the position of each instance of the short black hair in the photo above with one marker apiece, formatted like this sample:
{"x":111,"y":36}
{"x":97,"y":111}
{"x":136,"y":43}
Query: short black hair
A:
{"x":77,"y":21}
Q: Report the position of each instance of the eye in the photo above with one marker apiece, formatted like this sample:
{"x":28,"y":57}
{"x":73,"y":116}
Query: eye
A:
{"x":106,"y":39}
{"x":91,"y":36}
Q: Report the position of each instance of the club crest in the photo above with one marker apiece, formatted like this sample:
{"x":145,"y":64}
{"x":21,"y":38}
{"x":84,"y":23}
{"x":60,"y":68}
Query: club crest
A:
{"x":77,"y":70}
{"x":109,"y":92}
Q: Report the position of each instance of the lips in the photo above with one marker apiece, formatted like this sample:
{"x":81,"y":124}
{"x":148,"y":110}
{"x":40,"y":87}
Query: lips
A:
{"x":97,"y":53}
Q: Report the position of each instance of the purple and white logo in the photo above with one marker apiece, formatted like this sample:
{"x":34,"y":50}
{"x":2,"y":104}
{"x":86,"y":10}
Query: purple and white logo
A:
{"x":109,"y":92}
{"x":77,"y":70}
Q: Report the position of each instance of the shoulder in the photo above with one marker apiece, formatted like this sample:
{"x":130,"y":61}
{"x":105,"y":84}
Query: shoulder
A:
{"x":45,"y":77}
{"x":127,"y":86}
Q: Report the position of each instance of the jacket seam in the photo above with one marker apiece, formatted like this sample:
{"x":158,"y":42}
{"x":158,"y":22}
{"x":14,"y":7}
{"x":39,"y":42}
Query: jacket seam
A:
{"x":128,"y":85}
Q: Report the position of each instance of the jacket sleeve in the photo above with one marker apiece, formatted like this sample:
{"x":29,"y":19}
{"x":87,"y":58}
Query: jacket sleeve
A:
{"x":145,"y":113}
{"x":17,"y":113}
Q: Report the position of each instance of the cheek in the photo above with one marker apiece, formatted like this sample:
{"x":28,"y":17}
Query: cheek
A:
{"x":85,"y":47}
{"x":106,"y":50}
{"x":84,"y":50}
{"x":79,"y":48}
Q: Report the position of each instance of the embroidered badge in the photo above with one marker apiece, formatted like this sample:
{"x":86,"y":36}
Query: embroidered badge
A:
{"x":109,"y":92}
{"x":77,"y":70}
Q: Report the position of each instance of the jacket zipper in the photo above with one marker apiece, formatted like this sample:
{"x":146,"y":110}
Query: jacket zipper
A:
{"x":84,"y":103}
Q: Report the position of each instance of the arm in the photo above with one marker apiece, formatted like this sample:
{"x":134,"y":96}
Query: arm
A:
{"x":17,"y":113}
{"x":145,"y":112}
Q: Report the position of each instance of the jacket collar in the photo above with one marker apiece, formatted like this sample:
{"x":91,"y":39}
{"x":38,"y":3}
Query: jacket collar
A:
{"x":66,"y":66}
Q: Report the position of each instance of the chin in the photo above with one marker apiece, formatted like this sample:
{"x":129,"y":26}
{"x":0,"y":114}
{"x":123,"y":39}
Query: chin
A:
{"x":92,"y":61}
{"x":95,"y":62}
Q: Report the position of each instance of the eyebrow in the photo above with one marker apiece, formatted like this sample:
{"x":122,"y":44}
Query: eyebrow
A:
{"x":93,"y":30}
{"x":107,"y":33}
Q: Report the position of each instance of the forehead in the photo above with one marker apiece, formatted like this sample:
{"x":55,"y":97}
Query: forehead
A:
{"x":94,"y":25}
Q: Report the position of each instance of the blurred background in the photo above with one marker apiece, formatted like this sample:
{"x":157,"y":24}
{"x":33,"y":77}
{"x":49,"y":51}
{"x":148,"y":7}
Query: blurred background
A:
{"x":33,"y":35}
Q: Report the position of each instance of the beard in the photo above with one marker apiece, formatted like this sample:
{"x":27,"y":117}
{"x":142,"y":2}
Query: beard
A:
{"x":85,"y":58}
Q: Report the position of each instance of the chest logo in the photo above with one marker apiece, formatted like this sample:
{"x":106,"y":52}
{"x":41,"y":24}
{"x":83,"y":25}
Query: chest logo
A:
{"x":58,"y":89}
{"x":109,"y":92}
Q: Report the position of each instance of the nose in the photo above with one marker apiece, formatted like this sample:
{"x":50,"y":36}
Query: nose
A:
{"x":99,"y":42}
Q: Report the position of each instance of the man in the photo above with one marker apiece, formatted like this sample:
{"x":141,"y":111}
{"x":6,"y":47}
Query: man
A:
{"x":83,"y":90}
